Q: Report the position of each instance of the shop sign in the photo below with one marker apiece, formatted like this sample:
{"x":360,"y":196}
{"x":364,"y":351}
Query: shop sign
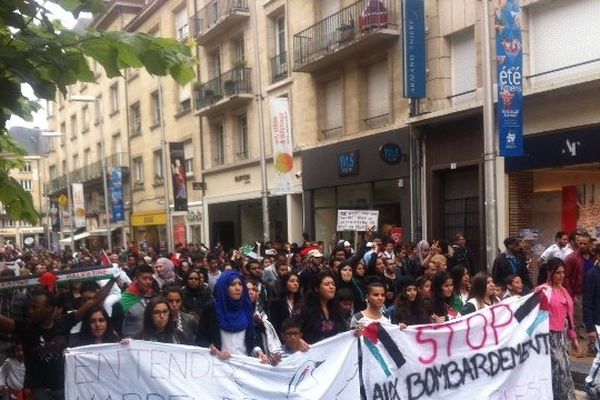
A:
{"x":199,"y":185}
{"x":194,"y":217}
{"x":242,"y":178}
{"x":558,"y":149}
{"x":149,"y":218}
{"x":348,"y":163}
{"x":390,"y":153}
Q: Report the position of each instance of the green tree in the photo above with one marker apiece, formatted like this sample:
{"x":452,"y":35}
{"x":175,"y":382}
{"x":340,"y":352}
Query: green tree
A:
{"x":49,"y":57}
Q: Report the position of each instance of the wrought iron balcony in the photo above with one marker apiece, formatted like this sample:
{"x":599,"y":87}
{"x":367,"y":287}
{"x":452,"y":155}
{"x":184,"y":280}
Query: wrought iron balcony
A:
{"x":356,"y":28}
{"x":217,"y":16}
{"x":233,"y":84}
{"x":279,"y":67}
{"x":87,"y":173}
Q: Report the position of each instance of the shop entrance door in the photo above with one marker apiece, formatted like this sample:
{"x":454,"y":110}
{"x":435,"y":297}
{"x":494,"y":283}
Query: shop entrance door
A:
{"x":461,"y":208}
{"x":223,"y":231}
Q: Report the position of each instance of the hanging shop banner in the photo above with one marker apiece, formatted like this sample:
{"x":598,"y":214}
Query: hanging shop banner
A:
{"x":414,"y":49}
{"x":281,"y":136}
{"x":151,"y":370}
{"x":54,"y":212}
{"x":180,"y":196}
{"x":501,"y":352}
{"x":509,"y":56}
{"x":116,"y":194}
{"x":78,"y":205}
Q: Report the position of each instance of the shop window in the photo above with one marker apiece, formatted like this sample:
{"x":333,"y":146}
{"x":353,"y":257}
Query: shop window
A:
{"x":463,"y":65}
{"x":386,"y":191}
{"x":564,"y":35}
{"x":354,"y":196}
{"x":325,"y":198}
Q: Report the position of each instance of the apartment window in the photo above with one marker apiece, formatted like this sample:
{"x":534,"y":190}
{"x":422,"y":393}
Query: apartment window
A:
{"x":26,"y":167}
{"x":158,"y":167}
{"x":49,"y":108}
{"x":53,"y":172}
{"x":240,"y":50}
{"x":242,"y":137}
{"x":138,"y":170}
{"x":564,"y":34}
{"x":87,"y":156}
{"x":73,"y":126}
{"x":181,"y":24}
{"x":135,"y":117}
{"x":218,"y":144}
{"x":333,"y":108}
{"x":463,"y":65}
{"x":26,"y":184}
{"x":280,"y":39}
{"x":64,"y":166}
{"x":185,"y":102}
{"x":75,"y":164}
{"x":116,"y":144}
{"x":155,"y":102}
{"x":114,"y":98}
{"x":215,"y":63}
{"x":97,"y":110}
{"x":85,"y":119}
{"x":378,"y":96}
{"x":188,"y":155}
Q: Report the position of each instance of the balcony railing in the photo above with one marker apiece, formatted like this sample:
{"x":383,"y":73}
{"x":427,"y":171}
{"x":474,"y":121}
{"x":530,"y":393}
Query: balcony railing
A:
{"x":211,"y":14}
{"x":87,"y":173}
{"x":230,"y":83}
{"x":340,"y":29}
{"x":279,"y":67}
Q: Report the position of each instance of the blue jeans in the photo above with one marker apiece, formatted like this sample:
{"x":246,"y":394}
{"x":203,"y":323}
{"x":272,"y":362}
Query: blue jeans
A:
{"x":595,"y":366}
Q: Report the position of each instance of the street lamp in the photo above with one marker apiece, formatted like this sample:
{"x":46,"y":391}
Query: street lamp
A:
{"x":46,"y":133}
{"x":93,"y":99}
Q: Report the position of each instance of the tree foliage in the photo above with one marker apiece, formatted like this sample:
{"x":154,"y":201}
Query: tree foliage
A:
{"x":49,"y":57}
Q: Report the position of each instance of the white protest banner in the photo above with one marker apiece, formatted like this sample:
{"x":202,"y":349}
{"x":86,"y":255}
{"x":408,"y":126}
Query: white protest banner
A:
{"x":356,"y":220}
{"x":157,"y":371}
{"x":281,"y":137}
{"x":501,"y":352}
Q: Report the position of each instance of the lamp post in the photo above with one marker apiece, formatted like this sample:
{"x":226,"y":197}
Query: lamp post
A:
{"x":68,"y":174}
{"x":93,"y":99}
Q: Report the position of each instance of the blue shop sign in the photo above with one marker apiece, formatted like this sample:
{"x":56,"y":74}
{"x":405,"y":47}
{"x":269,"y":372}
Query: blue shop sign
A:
{"x":348,"y":163}
{"x":558,"y":149}
{"x":390,"y":153}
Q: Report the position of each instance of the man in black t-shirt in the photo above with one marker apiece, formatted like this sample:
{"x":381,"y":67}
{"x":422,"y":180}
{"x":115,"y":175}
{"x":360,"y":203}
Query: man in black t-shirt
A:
{"x":44,"y":337}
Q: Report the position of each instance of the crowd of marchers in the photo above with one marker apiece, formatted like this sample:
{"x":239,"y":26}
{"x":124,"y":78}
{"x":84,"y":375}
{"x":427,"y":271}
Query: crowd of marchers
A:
{"x":271,"y":300}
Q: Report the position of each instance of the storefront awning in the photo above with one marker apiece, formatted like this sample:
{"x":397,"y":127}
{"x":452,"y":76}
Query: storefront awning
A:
{"x":77,"y":237}
{"x":149,"y":218}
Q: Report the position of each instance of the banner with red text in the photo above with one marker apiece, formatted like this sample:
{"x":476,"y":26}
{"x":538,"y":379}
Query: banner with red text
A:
{"x":281,"y":137}
{"x":501,"y":352}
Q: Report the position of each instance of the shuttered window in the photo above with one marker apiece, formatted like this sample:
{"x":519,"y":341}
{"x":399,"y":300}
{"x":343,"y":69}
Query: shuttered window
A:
{"x":562,"y":34}
{"x":188,"y":155}
{"x":378,"y":102}
{"x":181,"y":24}
{"x":463,"y":64}
{"x":333,"y":107}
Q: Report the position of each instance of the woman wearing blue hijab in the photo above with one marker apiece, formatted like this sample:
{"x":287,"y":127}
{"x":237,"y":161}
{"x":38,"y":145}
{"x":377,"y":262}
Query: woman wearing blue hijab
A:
{"x":226,"y":325}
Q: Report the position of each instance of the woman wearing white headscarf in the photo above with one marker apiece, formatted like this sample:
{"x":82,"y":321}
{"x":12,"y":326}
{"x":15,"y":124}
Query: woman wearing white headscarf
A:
{"x":164,"y":275}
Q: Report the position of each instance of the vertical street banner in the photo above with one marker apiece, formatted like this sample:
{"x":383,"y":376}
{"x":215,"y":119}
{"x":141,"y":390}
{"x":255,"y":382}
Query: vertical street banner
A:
{"x":509,"y":56}
{"x":78,"y":205}
{"x":54,"y":212}
{"x":116,"y":194}
{"x":180,"y":196}
{"x":414,"y":49}
{"x":281,"y":136}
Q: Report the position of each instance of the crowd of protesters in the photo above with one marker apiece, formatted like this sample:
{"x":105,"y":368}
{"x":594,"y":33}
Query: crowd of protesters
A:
{"x":268,"y":300}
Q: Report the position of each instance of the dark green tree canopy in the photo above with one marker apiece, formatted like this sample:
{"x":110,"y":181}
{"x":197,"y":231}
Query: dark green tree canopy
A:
{"x":49,"y":57}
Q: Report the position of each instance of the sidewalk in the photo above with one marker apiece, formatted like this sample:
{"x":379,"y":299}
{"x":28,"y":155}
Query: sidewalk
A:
{"x":580,"y":367}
